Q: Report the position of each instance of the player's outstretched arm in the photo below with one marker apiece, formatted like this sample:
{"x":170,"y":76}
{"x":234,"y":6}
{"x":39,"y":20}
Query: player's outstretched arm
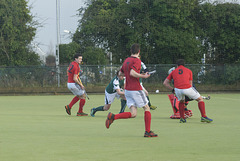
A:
{"x":133,"y":73}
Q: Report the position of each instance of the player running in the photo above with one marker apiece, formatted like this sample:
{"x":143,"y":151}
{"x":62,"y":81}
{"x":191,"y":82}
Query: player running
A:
{"x":134,"y":93}
{"x":112,"y":91}
{"x":182,"y":78}
{"x":75,"y":86}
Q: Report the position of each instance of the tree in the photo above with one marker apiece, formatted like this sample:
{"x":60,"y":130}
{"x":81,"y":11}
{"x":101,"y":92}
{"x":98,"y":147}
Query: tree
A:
{"x":166,"y":29}
{"x":50,"y":60}
{"x":94,"y":56}
{"x":171,"y":34}
{"x":218,"y":28}
{"x":94,"y":31}
{"x":16,"y":33}
{"x":224,"y":33}
{"x":67,"y":51}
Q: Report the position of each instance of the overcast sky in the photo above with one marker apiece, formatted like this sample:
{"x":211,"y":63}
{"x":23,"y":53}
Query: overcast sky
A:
{"x":45,"y":13}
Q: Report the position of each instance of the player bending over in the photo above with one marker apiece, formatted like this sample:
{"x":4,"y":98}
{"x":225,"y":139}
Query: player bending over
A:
{"x":174,"y":102}
{"x":182,"y":78}
{"x":112,"y":91}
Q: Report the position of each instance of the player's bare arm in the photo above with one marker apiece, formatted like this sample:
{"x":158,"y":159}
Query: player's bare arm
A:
{"x":166,"y":83}
{"x":121,"y":93}
{"x":133,"y":73}
{"x":76,"y":80}
{"x":191,"y":82}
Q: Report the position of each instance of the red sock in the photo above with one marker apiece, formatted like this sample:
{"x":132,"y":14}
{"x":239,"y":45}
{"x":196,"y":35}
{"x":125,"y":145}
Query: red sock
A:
{"x":181,"y":109}
{"x":201,"y":106}
{"x":81,"y":104}
{"x":74,"y":100}
{"x":147,"y":119}
{"x":124,"y":115}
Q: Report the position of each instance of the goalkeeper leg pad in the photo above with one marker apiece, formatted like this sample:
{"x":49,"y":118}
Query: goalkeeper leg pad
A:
{"x":188,"y":113}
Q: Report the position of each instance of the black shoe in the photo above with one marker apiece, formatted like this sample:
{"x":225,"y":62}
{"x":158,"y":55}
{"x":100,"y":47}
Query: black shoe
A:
{"x":92,"y":113}
{"x":68,"y":110}
{"x":150,"y":134}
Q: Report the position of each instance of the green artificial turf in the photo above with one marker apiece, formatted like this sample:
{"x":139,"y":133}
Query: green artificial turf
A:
{"x":37,"y":128}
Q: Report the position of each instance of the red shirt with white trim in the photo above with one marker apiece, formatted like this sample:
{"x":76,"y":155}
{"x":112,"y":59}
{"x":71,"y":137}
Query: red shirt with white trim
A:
{"x":73,"y":68}
{"x":132,"y":83}
{"x":181,"y":77}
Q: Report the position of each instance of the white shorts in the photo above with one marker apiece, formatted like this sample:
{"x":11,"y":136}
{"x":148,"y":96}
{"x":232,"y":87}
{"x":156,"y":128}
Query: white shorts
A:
{"x":109,"y":98}
{"x":136,"y":98}
{"x":75,"y":89}
{"x":190,"y":92}
{"x":142,"y":86}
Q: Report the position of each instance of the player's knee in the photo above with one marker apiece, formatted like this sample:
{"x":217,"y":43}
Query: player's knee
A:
{"x":82,"y":96}
{"x":182,"y":101}
{"x":200,"y":99}
{"x":106,"y":107}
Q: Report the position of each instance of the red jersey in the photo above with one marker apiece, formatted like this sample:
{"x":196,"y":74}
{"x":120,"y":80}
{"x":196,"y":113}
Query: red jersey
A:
{"x":132,"y":83}
{"x":181,"y":77}
{"x":73,"y":68}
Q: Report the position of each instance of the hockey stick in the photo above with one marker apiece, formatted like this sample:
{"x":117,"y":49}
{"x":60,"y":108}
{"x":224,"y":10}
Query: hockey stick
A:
{"x":152,"y":72}
{"x":84,"y":89}
{"x":86,"y":94}
{"x":206,"y":98}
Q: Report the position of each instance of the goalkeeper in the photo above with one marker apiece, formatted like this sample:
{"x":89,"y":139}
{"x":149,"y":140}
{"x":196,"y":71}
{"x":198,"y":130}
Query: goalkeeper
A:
{"x":112,"y":91}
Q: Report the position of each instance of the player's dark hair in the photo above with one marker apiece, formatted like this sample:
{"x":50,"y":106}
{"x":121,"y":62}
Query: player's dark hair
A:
{"x":180,"y":62}
{"x":117,"y":73}
{"x":135,"y":48}
{"x":76,"y":55}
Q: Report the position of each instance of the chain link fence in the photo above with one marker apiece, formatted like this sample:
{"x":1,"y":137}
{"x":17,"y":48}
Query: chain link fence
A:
{"x":227,"y":76}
